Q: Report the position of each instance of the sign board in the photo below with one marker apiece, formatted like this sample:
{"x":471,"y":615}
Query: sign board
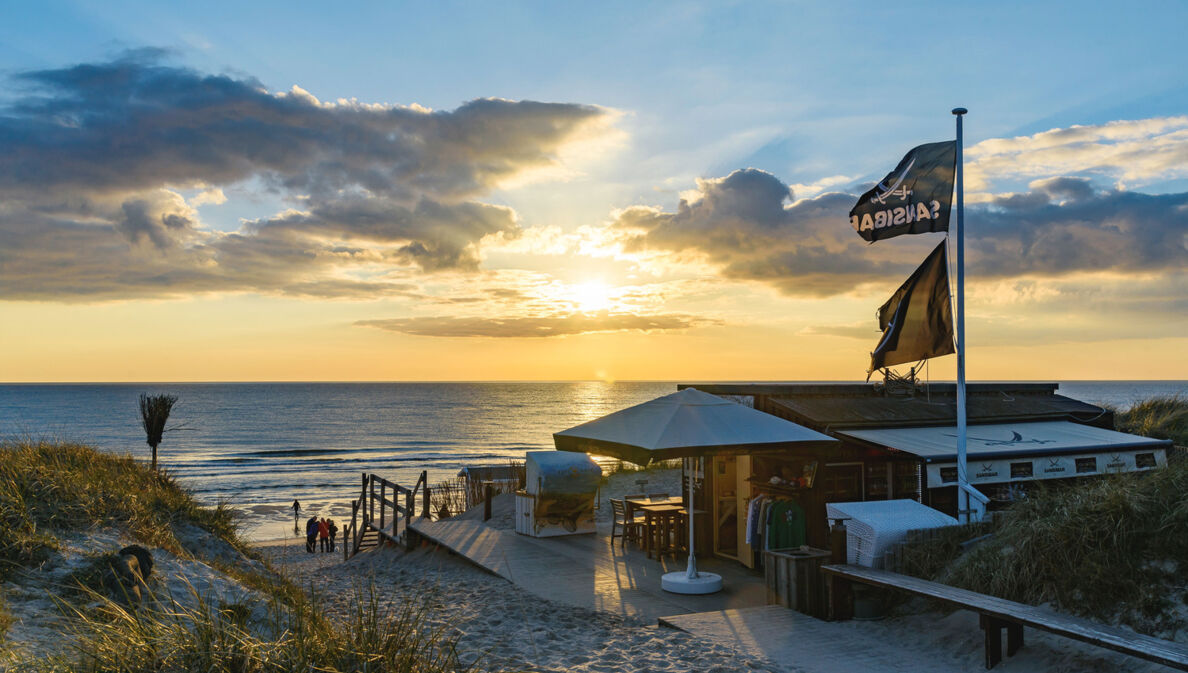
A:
{"x":1031,"y":468}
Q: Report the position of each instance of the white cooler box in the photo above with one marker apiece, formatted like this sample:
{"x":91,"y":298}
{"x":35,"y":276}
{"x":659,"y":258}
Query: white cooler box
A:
{"x":876,"y":525}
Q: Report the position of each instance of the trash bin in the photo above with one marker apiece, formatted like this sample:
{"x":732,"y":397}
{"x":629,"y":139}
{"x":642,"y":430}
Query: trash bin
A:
{"x":794,"y":579}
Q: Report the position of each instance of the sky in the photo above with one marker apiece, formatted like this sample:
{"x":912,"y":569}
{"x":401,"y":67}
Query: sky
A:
{"x":552,"y":191}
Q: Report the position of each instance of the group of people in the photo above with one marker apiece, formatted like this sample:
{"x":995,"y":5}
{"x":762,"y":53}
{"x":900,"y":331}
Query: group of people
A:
{"x":324,"y":529}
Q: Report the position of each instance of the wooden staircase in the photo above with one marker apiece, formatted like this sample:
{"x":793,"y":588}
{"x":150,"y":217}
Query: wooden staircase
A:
{"x":366,"y":529}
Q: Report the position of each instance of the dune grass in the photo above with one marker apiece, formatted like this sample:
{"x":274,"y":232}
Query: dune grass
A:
{"x":1159,"y":417}
{"x":1113,"y":548}
{"x":624,"y":466}
{"x":208,"y":637}
{"x":49,"y":488}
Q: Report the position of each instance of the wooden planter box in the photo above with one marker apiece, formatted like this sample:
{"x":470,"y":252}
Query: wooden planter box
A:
{"x":794,"y":579}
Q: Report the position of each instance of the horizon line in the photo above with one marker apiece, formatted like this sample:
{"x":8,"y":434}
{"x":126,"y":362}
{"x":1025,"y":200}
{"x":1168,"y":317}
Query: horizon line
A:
{"x":595,"y":380}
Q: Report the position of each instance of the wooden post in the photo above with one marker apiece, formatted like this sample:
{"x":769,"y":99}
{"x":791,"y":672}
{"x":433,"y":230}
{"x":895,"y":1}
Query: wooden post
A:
{"x":383,"y":494}
{"x":841,"y":593}
{"x":363,"y":500}
{"x":353,"y":532}
{"x":409,"y":503}
{"x":425,"y":511}
{"x":487,"y":502}
{"x":371,"y":500}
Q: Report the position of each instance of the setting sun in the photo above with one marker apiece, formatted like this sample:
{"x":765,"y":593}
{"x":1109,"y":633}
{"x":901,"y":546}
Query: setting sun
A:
{"x":590,"y":297}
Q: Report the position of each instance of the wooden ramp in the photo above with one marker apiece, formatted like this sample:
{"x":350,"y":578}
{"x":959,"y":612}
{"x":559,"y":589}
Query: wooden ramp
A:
{"x":588,"y":571}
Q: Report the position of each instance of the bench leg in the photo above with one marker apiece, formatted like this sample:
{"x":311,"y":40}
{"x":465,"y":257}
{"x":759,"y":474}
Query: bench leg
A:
{"x":841,"y":598}
{"x":992,"y":629}
{"x":1014,"y":638}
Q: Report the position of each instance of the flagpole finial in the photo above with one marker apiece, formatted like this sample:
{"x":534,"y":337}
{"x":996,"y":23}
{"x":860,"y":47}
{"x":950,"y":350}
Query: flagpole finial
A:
{"x":959,"y":111}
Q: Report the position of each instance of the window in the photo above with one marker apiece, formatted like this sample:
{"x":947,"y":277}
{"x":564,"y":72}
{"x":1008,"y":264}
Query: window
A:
{"x":842,"y":482}
{"x":1144,"y":460}
{"x":948,"y":474}
{"x":1086,"y":465}
{"x":1021,"y":470}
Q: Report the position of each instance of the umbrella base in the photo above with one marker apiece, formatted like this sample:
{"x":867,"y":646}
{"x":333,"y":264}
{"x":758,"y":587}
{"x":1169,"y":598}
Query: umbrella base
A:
{"x":679,"y":583}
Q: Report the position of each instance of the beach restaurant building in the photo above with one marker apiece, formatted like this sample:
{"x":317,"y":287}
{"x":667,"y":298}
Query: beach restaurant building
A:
{"x":902,"y":445}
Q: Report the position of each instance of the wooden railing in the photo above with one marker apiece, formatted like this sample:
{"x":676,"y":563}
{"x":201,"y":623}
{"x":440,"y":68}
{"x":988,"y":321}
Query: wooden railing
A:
{"x":397,"y":505}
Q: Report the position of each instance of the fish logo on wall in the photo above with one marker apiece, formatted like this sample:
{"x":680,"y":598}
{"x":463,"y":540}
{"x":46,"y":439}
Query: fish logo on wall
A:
{"x":1015,"y":439}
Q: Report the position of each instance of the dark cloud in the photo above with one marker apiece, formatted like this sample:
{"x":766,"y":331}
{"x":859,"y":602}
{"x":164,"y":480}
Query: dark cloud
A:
{"x":537,"y":326}
{"x":747,"y":224}
{"x":1063,"y":226}
{"x":135,"y":124}
{"x":95,"y":156}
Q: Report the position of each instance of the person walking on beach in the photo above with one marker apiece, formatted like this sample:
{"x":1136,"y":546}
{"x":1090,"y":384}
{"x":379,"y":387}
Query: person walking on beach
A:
{"x":333,"y":533}
{"x":296,"y":515}
{"x":311,"y":534}
{"x":324,"y":533}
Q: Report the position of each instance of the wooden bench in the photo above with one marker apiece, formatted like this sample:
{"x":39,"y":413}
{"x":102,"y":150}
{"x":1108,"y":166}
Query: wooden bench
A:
{"x":998,"y":614}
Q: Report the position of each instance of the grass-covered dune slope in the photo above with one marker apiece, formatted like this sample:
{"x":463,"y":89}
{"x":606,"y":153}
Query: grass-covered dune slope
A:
{"x":66,"y":508}
{"x":51,"y":489}
{"x":1113,"y":548}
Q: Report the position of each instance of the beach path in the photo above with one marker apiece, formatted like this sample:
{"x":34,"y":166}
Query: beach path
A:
{"x":588,"y":571}
{"x":783,"y":635}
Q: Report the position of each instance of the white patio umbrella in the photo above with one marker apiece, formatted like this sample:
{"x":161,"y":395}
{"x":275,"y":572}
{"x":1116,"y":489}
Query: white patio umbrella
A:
{"x":687,"y":424}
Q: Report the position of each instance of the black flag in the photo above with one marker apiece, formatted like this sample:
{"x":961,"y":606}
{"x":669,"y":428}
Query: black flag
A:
{"x":917,"y":321}
{"x":913,"y":199}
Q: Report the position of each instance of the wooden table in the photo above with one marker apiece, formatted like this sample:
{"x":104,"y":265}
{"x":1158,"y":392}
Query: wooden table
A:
{"x":659,"y":519}
{"x":633,"y":504}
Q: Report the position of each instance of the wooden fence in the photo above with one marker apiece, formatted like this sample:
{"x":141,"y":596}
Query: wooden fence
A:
{"x":961,"y":535}
{"x":396,"y":506}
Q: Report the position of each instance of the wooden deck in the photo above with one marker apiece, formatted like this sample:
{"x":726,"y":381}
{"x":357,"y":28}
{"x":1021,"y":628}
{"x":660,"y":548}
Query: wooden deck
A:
{"x":588,"y":571}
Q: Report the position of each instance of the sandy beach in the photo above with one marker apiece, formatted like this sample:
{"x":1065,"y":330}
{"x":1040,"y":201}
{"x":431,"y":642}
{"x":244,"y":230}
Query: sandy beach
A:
{"x":498,"y":625}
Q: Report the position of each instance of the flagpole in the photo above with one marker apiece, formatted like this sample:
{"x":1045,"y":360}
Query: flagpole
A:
{"x":963,"y":504}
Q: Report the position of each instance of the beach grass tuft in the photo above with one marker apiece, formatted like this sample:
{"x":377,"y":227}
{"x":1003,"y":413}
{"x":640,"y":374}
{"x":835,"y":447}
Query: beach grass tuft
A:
{"x":204,"y":635}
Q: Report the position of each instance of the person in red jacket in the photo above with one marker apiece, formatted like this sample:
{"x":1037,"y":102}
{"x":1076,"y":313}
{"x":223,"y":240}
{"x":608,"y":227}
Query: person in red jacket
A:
{"x":324,"y":533}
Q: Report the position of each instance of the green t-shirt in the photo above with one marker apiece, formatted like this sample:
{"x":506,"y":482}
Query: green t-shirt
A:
{"x":785,"y":528}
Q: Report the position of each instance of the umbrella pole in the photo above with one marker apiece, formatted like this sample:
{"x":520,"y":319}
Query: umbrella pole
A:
{"x":691,"y":581}
{"x":691,"y":569}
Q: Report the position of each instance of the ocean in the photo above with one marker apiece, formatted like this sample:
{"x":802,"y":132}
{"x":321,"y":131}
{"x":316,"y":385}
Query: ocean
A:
{"x":262,"y":445}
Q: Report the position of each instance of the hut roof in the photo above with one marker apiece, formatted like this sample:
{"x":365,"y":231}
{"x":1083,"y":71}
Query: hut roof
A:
{"x":839,"y":406}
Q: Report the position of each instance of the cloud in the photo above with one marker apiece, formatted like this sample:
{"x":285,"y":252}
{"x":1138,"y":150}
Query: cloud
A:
{"x":748,"y":226}
{"x":861,"y":330}
{"x":537,"y":326}
{"x":135,"y":123}
{"x":1132,"y":151}
{"x":1064,"y":226}
{"x":97,"y":156}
